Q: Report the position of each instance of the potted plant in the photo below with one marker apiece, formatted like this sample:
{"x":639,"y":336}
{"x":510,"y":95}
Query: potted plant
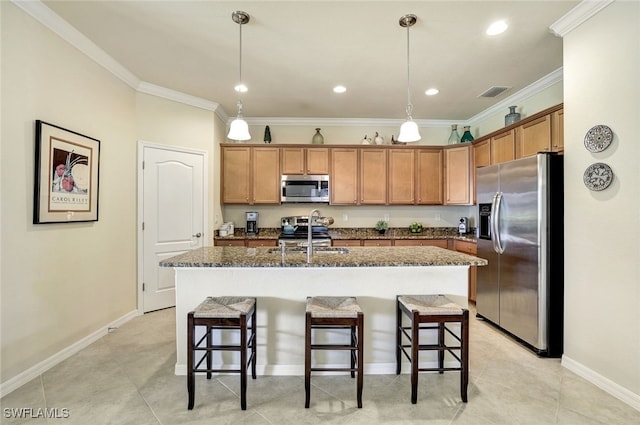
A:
{"x":415,"y":227}
{"x":382,"y":226}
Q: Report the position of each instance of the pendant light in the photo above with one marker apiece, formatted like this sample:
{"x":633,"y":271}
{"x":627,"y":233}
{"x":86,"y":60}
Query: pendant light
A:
{"x":239,"y":129}
{"x":409,"y":130}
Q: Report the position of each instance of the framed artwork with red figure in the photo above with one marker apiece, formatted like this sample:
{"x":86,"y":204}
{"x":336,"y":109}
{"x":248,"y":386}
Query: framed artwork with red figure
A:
{"x":66,"y":175}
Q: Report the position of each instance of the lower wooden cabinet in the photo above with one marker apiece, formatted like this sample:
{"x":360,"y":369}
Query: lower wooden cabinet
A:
{"x":346,"y":242}
{"x":253,"y":243}
{"x":442,"y":243}
{"x":471,"y":249}
{"x":230,"y":242}
{"x":377,"y":242}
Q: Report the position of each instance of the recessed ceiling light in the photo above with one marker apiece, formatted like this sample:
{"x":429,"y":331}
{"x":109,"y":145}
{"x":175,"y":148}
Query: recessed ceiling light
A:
{"x":339,"y":89}
{"x":497,"y":27}
{"x":431,"y":92}
{"x":241,"y":88}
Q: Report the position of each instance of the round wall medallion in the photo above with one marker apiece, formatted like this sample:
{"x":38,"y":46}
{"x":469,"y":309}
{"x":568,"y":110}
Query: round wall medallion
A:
{"x":598,"y":138}
{"x":598,"y":176}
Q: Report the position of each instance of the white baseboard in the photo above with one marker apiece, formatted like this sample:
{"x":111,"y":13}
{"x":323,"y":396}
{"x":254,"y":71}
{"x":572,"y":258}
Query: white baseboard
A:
{"x":602,"y":382}
{"x":31,"y":373}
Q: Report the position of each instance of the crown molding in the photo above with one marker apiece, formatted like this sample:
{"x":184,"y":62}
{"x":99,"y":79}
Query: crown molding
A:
{"x":532,"y":89}
{"x":337,"y":122}
{"x":180,"y":97}
{"x":576,"y":16}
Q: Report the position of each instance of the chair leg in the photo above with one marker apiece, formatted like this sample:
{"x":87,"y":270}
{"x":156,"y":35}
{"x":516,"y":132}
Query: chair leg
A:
{"x":190,"y":375}
{"x":360,"y":358}
{"x":307,"y":360}
{"x":441,"y":347}
{"x":464,"y":357}
{"x":398,"y":338}
{"x":255,"y":342}
{"x":209,"y":353}
{"x":415,"y":345}
{"x":353,"y":354}
{"x":243,"y":362}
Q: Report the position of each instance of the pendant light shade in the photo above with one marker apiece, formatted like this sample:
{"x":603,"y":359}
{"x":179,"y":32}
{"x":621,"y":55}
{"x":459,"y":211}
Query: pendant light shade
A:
{"x":239,"y":129}
{"x":409,"y":131}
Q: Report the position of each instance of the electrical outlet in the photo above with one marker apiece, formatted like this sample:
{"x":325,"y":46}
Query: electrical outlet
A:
{"x":345,"y":217}
{"x":437,"y":217}
{"x":386,"y":217}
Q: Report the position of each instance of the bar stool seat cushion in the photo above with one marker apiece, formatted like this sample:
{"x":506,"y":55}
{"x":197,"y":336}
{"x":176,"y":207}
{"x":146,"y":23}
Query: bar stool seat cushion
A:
{"x":430,"y":305}
{"x":224,"y":307}
{"x":333,"y":307}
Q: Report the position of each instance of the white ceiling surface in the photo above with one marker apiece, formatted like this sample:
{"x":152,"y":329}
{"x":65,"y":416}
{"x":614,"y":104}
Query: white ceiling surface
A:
{"x":295,"y":52}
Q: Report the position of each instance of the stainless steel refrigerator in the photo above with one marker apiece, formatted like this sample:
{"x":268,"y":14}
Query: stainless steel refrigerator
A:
{"x":520,"y":233}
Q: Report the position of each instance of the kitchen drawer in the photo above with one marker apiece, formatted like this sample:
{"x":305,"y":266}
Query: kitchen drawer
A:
{"x":252,"y":243}
{"x":228,"y":242}
{"x":466,"y":247}
{"x":377,"y":242}
{"x":442,"y":243}
{"x":346,"y":242}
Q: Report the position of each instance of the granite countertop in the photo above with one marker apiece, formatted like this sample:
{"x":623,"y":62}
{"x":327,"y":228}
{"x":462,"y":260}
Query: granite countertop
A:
{"x":356,"y":257}
{"x":364,"y":233}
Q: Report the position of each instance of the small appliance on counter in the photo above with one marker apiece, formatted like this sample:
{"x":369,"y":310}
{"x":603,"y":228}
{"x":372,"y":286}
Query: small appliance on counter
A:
{"x":463,"y":227}
{"x":252,"y":223}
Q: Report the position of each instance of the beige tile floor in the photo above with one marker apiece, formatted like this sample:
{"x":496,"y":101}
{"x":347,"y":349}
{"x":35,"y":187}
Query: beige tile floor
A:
{"x":127,"y":378}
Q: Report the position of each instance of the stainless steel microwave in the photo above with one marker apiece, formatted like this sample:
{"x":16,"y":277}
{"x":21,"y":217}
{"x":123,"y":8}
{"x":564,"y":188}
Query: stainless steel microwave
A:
{"x":297,"y":188}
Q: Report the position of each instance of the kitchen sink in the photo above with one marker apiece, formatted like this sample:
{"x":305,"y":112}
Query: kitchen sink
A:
{"x":316,"y":250}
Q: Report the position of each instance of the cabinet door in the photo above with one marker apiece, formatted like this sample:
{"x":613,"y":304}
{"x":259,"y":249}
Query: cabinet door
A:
{"x":317,"y":161}
{"x":292,"y":161}
{"x":482,"y":153}
{"x":503,"y":147}
{"x":557,"y":131}
{"x":373,"y":176}
{"x":236,"y":174}
{"x":401,"y":176}
{"x":534,"y":137}
{"x":457,"y":165}
{"x":472,"y":249}
{"x":230,"y":242}
{"x":266,"y":176}
{"x":429,"y":187}
{"x":253,"y":243}
{"x":344,"y":176}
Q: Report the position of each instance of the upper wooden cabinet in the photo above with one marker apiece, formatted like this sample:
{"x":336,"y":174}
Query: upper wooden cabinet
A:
{"x":557,"y":131}
{"x":482,"y":153}
{"x":373,"y":176}
{"x":429,"y":174}
{"x":402,"y":176}
{"x":458,"y":182}
{"x":297,"y":160}
{"x":503,"y":147}
{"x":534,"y":136}
{"x":250,"y":175}
{"x":343,"y":182}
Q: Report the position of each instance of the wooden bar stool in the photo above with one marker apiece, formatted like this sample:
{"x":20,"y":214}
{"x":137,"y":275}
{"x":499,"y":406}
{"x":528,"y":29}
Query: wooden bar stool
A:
{"x":438,"y":309}
{"x":334,"y":313}
{"x":222,"y":313}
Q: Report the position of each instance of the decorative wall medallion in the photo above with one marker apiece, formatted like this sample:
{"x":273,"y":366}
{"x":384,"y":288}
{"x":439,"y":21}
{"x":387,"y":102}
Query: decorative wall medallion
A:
{"x":598,"y":176}
{"x":598,"y":138}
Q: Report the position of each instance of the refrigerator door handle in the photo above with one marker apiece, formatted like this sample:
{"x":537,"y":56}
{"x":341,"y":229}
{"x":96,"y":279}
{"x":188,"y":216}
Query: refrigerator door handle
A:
{"x":495,"y":223}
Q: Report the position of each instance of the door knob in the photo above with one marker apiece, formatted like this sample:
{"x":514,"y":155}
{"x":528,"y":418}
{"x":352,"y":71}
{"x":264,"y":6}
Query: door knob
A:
{"x":197,"y":235}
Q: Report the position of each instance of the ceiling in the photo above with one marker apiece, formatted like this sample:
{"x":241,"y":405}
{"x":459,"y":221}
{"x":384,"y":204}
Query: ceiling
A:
{"x":294,"y":53}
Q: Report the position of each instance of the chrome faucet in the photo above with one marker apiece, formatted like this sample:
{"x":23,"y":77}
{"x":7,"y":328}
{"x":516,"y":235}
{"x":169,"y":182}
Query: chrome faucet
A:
{"x":310,"y":233}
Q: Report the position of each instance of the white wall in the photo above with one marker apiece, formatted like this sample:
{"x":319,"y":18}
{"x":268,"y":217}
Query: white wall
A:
{"x":602,"y":261}
{"x":61,"y":282}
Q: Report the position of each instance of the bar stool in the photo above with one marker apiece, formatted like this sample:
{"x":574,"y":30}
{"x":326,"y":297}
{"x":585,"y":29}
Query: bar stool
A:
{"x":334,"y":313}
{"x":222,"y":313}
{"x":437,"y":309}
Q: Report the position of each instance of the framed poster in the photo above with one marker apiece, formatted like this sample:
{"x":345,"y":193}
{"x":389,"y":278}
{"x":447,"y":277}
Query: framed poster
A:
{"x":66,"y":175}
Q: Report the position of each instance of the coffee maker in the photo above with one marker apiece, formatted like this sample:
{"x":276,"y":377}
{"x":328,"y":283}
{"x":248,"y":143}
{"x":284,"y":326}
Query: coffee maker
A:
{"x":463,"y":227}
{"x":252,"y":223}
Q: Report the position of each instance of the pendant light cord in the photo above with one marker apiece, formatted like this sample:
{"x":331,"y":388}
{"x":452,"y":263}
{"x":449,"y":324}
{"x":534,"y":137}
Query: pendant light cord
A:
{"x":409,"y":105}
{"x":240,"y":73}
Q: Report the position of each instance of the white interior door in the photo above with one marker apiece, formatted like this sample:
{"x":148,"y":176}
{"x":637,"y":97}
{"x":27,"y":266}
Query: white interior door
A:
{"x":173,"y":211}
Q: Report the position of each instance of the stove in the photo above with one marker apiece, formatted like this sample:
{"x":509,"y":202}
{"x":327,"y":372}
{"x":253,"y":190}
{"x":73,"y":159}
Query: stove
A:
{"x":319,"y":234}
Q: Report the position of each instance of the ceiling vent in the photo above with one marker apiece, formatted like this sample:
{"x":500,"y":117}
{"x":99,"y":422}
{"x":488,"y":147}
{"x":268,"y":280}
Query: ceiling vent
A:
{"x":494,"y":91}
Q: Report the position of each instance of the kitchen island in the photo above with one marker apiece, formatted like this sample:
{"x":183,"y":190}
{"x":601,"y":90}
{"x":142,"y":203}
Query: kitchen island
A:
{"x":281,"y":284}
